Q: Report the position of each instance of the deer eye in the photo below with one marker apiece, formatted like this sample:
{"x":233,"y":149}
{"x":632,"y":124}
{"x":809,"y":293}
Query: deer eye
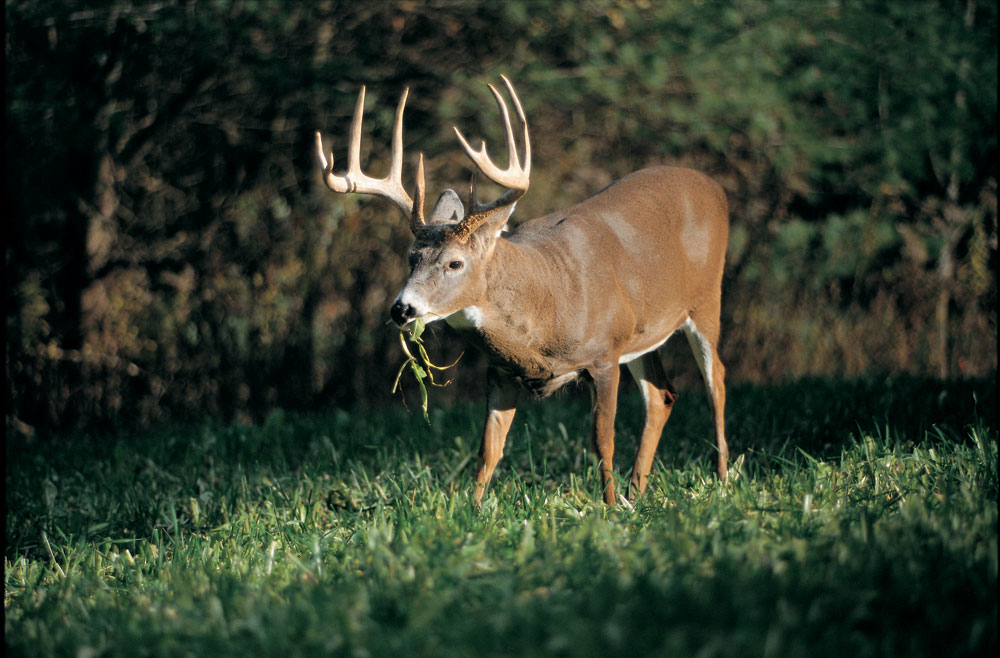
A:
{"x":456,"y":265}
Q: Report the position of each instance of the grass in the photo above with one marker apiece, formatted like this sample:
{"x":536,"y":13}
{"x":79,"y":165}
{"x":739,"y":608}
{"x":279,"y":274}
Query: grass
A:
{"x":862,"y":522}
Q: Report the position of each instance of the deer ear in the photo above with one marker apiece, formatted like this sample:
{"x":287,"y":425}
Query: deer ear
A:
{"x":448,"y":209}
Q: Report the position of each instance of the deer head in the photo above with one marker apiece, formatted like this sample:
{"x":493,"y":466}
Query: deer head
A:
{"x":453,"y":246}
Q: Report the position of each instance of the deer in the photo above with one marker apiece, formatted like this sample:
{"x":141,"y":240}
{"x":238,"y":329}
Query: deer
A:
{"x":572,"y":295}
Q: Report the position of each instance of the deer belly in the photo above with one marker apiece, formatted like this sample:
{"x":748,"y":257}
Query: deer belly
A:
{"x":544,"y":387}
{"x":644,"y":348}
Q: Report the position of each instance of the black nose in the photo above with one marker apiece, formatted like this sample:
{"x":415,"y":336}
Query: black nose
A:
{"x":402,"y":313}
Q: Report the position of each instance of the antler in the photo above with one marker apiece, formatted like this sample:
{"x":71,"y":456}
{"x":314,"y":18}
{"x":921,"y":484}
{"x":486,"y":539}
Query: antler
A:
{"x":390,"y":187}
{"x":514,"y":177}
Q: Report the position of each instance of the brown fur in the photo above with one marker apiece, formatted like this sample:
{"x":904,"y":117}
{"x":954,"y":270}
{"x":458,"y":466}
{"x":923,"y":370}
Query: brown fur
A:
{"x":574,"y":293}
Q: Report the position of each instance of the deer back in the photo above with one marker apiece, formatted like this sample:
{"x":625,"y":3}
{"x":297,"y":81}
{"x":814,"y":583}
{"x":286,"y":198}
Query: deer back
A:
{"x":611,"y":277}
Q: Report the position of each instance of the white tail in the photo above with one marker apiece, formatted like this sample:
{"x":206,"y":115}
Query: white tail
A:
{"x":576,"y":293}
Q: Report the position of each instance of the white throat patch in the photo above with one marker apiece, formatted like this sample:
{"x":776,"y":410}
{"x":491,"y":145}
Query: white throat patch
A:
{"x":470,"y":317}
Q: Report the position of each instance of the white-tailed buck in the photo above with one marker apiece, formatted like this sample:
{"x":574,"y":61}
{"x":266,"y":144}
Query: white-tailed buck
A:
{"x":573,"y":294}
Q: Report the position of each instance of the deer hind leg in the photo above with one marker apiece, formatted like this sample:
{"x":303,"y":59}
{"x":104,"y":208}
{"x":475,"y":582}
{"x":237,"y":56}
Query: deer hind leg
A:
{"x":704,"y":338}
{"x":659,"y":396}
{"x":605,"y":405}
{"x":501,"y":403}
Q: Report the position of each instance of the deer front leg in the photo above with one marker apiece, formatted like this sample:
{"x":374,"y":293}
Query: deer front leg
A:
{"x":501,"y":403}
{"x":605,"y":404}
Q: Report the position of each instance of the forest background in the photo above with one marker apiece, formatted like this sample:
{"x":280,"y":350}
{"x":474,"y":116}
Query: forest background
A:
{"x":171,"y":251}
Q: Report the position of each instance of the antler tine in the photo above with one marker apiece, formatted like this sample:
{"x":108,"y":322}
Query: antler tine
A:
{"x":396,"y":169}
{"x":515,"y":177}
{"x":335,"y":183}
{"x":390,"y":187}
{"x":473,"y":195}
{"x":417,"y":213}
{"x":354,"y":174}
{"x":524,"y":125}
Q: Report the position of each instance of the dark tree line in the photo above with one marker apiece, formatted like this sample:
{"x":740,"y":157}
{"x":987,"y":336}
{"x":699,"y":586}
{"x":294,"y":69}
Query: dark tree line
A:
{"x":171,"y":251}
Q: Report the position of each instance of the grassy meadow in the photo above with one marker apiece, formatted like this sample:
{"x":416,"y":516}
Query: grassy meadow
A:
{"x":861,"y":520}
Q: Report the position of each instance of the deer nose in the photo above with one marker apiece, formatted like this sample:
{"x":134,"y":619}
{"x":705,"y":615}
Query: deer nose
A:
{"x":402,"y":313}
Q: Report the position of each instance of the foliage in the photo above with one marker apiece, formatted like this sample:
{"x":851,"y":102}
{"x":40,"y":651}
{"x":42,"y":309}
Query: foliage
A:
{"x":171,"y":251}
{"x":420,"y":365}
{"x":862,"y":521}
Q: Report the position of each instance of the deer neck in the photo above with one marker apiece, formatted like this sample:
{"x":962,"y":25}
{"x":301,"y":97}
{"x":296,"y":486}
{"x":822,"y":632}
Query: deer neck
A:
{"x":514,"y":320}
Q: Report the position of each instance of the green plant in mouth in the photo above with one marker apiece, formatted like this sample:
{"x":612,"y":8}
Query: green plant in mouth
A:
{"x":420,"y":365}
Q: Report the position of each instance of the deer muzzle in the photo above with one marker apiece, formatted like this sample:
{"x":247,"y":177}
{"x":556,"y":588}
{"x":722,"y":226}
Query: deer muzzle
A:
{"x":402,"y":312}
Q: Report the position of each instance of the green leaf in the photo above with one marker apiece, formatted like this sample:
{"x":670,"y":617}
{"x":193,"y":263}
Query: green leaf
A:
{"x":416,"y":329}
{"x":420,"y":365}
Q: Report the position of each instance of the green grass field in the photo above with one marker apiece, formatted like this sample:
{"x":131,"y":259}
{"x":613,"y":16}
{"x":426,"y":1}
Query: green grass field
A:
{"x":862,"y":521}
